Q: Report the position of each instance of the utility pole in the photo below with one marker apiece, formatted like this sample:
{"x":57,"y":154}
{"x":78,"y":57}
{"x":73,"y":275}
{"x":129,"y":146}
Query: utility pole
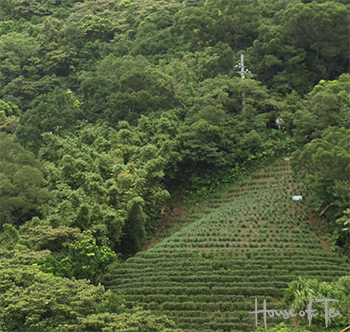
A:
{"x":243,"y":70}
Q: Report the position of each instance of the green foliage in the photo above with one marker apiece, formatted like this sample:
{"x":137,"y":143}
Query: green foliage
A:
{"x":301,"y":291}
{"x":132,"y":86}
{"x":23,"y":191}
{"x":279,"y":328}
{"x":309,"y":26}
{"x":9,"y":117}
{"x":54,"y":112}
{"x":232,"y":22}
{"x":17,"y":52}
{"x":275,"y":62}
{"x":38,"y":235}
{"x":9,"y":236}
{"x":236,"y":22}
{"x":153,"y":36}
{"x":107,"y":182}
{"x":329,"y":106}
{"x":83,"y":259}
{"x":94,"y":27}
{"x":136,"y":320}
{"x":196,"y":26}
{"x":55,"y":56}
{"x":8,"y":109}
{"x":33,"y":300}
{"x":326,"y":162}
{"x":23,"y":9}
{"x":178,"y":118}
{"x":344,"y":222}
{"x":86,"y":260}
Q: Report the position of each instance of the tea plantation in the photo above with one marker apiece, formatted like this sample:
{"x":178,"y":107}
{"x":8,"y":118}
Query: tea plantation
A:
{"x":254,"y":240}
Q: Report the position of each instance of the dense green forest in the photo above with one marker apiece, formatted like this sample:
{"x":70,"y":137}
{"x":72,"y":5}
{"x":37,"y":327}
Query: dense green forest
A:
{"x":112,"y":110}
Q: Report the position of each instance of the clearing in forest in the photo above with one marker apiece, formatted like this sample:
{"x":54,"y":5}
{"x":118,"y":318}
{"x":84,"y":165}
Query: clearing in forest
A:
{"x":207,"y":276}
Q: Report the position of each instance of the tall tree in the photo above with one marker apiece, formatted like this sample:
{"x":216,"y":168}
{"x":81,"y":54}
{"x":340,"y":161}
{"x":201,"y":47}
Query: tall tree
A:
{"x":53,"y":112}
{"x":328,"y":105}
{"x":326,"y":163}
{"x":322,"y":30}
{"x":24,"y":191}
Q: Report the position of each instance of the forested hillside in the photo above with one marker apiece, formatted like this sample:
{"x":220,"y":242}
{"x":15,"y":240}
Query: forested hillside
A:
{"x":113,"y":110}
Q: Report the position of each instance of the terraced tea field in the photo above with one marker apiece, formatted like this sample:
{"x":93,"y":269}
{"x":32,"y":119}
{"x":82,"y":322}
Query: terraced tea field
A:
{"x":253,"y":241}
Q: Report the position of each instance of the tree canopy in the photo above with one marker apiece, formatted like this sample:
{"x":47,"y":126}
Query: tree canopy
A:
{"x":109,"y":109}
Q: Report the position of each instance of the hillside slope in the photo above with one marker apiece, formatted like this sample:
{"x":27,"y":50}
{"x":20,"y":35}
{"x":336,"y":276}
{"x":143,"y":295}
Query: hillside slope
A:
{"x":207,"y":276}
